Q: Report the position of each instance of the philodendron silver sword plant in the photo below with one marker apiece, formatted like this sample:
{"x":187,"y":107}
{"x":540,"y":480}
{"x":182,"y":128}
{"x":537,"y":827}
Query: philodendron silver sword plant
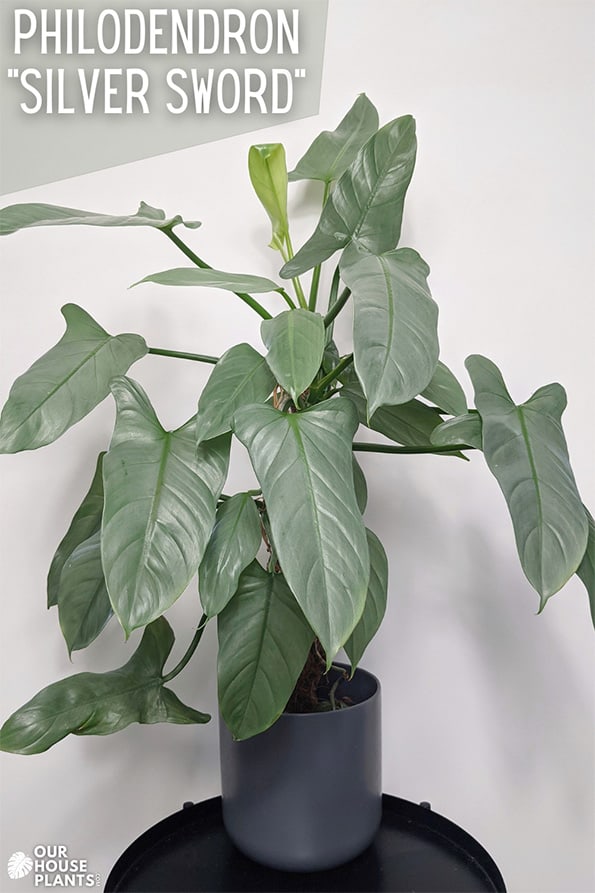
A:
{"x":289,"y":570}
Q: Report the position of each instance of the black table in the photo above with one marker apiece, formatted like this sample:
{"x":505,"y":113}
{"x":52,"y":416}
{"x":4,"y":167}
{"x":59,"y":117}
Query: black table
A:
{"x":415,"y":850}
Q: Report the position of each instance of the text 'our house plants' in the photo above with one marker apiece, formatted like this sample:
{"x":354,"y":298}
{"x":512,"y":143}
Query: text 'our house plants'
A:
{"x":289,"y":570}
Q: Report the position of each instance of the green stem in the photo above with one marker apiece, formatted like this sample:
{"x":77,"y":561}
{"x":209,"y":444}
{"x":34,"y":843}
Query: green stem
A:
{"x":196,"y":260}
{"x":199,"y":262}
{"x":182,"y":355}
{"x":332,"y":300}
{"x":286,"y":298}
{"x":385,"y":448}
{"x":337,"y":307}
{"x":296,"y":280}
{"x":190,"y":650}
{"x":333,"y":374}
{"x":318,"y":269}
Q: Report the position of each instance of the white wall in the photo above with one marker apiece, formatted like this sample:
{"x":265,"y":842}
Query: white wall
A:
{"x":488,"y":710}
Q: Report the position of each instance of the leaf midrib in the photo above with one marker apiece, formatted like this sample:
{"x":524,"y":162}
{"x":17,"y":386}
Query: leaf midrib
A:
{"x":155,"y":505}
{"x":532,"y":466}
{"x":151,"y":682}
{"x":229,"y":547}
{"x":310,"y":491}
{"x":266,"y":611}
{"x":61,"y":384}
{"x":390,"y":311}
{"x":379,"y":180}
{"x":236,"y":391}
{"x":342,"y":151}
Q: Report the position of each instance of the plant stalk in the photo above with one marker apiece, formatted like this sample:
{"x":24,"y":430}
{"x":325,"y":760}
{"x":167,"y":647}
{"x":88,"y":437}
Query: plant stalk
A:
{"x":287,"y":298}
{"x":337,"y":307}
{"x":296,"y":280}
{"x":333,"y":374}
{"x":199,"y":262}
{"x":360,"y":447}
{"x":182,"y":355}
{"x":318,"y":269}
{"x":189,"y":651}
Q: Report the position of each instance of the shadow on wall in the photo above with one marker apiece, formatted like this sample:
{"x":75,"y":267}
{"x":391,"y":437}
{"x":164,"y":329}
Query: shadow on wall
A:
{"x":462,"y":617}
{"x":525,"y":669}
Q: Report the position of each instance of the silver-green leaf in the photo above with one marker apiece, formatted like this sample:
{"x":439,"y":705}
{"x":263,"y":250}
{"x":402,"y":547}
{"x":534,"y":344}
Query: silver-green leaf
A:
{"x":445,"y":391}
{"x":586,"y":569}
{"x":332,"y":152}
{"x":395,"y":329}
{"x":234,"y":542}
{"x":160,"y":500}
{"x":295,"y":340}
{"x":303,"y":462}
{"x":16,"y":217}
{"x":462,"y":429}
{"x":86,"y":522}
{"x":240,"y":377}
{"x":375,"y":607}
{"x":66,"y":383}
{"x":526,"y":450}
{"x":101,"y":703}
{"x":410,"y":424}
{"x":366,"y":204}
{"x":361,"y":486}
{"x":84,"y":607}
{"x":207,"y":278}
{"x":264,"y":641}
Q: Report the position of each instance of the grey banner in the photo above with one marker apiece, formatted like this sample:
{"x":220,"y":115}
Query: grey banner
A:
{"x":94,"y":86}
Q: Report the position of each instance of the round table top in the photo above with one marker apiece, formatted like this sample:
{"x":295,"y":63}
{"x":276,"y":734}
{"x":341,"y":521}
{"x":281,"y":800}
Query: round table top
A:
{"x":415,"y":850}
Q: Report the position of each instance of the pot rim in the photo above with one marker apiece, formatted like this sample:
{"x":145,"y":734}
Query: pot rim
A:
{"x":317,"y":714}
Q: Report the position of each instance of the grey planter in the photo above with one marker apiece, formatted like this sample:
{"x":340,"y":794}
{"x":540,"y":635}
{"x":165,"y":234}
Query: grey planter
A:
{"x":306,"y":795}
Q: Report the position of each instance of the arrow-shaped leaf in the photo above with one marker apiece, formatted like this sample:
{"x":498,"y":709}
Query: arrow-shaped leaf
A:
{"x":101,"y":703}
{"x":375,"y":606}
{"x":395,"y":326}
{"x":332,"y":152}
{"x":268,"y":173}
{"x":304,"y":464}
{"x":207,"y":278}
{"x":240,"y":377}
{"x":16,"y":217}
{"x":264,"y":641}
{"x":86,"y":522}
{"x":295,"y":340}
{"x":367,"y":202}
{"x":66,"y":383}
{"x":83,"y":603}
{"x":526,"y":450}
{"x":160,"y":500}
{"x":234,"y":542}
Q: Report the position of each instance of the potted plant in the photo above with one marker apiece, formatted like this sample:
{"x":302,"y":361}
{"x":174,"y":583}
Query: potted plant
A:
{"x":288,"y":569}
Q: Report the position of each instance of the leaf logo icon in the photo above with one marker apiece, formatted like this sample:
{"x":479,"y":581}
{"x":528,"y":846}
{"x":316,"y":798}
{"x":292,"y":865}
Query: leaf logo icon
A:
{"x":19,"y":865}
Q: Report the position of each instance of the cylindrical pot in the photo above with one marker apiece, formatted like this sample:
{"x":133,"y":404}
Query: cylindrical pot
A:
{"x":306,"y":795}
